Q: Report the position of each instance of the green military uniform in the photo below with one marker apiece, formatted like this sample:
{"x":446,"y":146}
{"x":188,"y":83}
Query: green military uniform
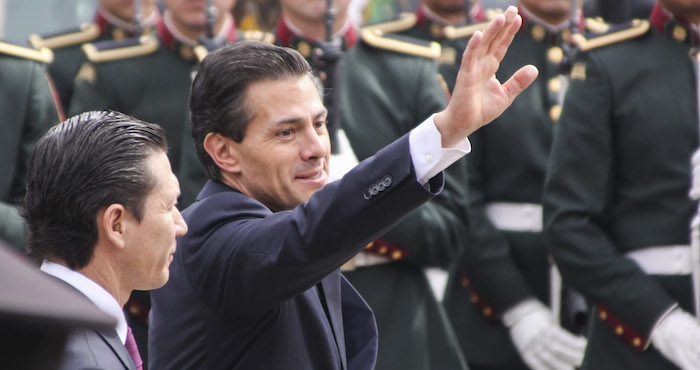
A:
{"x":68,"y":56}
{"x":618,"y":181}
{"x":503,"y":264}
{"x":388,"y":85}
{"x":28,"y":109}
{"x":424,"y":25}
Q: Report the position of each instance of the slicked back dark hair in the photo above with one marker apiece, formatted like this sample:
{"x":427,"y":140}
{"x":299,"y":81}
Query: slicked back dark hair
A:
{"x":88,"y":162}
{"x":218,"y":100}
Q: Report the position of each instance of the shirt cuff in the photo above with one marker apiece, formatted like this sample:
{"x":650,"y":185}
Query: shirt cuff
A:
{"x":428,"y":156}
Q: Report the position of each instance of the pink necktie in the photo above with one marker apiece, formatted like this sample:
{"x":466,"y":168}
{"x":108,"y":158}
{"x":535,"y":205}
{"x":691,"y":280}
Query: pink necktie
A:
{"x":133,"y":349}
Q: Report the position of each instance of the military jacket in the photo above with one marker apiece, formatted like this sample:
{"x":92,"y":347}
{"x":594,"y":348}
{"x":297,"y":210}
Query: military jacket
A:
{"x":388,"y":85}
{"x":28,"y":108}
{"x":497,"y":268}
{"x":148,"y":78}
{"x":68,"y":56}
{"x":618,"y":182}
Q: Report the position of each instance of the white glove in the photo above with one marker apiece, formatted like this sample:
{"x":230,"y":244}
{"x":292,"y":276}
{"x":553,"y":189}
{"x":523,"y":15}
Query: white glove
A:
{"x":541,"y":343}
{"x":677,"y":337}
{"x":695,"y":183}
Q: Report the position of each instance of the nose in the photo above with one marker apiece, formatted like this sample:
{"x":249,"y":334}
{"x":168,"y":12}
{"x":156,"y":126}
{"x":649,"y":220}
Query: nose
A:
{"x":180,"y":224}
{"x":316,"y":145}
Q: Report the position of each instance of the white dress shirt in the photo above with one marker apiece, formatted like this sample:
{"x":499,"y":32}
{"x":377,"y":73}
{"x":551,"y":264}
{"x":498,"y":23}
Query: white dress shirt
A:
{"x":93,"y":291}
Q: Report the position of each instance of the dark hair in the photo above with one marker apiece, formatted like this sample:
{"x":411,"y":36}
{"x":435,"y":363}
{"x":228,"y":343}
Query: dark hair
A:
{"x":218,"y":100}
{"x":86,"y":163}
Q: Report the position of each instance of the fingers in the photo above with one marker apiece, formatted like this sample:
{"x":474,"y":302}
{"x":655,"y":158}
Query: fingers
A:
{"x":519,"y":81}
{"x":500,"y":47}
{"x":568,"y":347}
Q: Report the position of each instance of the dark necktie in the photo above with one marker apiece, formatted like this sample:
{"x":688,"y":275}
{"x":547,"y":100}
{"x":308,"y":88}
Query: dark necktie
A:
{"x":133,"y":349}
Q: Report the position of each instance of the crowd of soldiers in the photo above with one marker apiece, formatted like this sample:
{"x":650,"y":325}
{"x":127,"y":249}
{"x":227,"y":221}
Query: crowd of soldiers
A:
{"x":563,"y":239}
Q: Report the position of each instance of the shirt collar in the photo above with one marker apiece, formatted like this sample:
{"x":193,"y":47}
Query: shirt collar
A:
{"x":93,"y":291}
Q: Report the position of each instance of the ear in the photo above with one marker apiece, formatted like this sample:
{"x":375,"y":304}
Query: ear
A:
{"x":111,"y":223}
{"x":223,"y":151}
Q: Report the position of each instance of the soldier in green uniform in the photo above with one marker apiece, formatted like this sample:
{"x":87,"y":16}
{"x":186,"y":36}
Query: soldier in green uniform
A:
{"x":149,"y":78}
{"x":501,"y":287}
{"x":114,"y":20}
{"x":616,"y":206}
{"x":395,"y":78}
{"x":395,"y":81}
{"x":28,"y":109}
{"x":438,"y":20}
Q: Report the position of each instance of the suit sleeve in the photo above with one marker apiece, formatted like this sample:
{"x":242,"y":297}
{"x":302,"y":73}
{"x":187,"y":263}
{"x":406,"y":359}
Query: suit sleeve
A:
{"x":261,"y":259}
{"x":579,"y":190}
{"x":397,"y":92}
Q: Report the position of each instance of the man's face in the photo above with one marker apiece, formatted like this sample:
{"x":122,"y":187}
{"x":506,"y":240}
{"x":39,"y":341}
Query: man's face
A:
{"x":283,"y":158}
{"x":152,"y":241}
{"x":191,"y":13}
{"x":311,"y":11}
{"x":553,"y":11}
{"x":446,"y":6}
{"x":124,"y":9}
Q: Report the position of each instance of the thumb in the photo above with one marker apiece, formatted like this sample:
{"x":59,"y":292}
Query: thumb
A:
{"x":519,"y":81}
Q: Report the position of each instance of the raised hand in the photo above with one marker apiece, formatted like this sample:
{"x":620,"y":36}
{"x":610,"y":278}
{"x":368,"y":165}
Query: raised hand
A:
{"x":478,"y":97}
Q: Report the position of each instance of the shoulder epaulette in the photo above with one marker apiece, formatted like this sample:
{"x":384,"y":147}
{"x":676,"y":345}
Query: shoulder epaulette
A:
{"x":401,"y":44}
{"x":114,"y":50}
{"x":596,"y":25}
{"x":635,"y":29}
{"x":464,"y":31}
{"x":490,"y":14}
{"x":404,"y":22}
{"x":85,"y":33}
{"x":259,"y":36}
{"x":43,"y":55}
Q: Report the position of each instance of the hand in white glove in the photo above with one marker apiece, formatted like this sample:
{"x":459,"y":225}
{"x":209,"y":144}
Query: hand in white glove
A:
{"x":677,"y":337}
{"x":541,"y":343}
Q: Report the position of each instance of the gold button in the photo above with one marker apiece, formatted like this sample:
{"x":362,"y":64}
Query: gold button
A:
{"x":118,"y":34}
{"x":619,"y":330}
{"x":370,"y":245}
{"x":565,"y":35}
{"x":554,"y":85}
{"x":304,"y":49}
{"x":555,"y":112}
{"x":465,"y":282}
{"x":135,"y":310}
{"x":603,"y":315}
{"x":396,"y":255}
{"x":186,"y":52}
{"x":383,"y":250}
{"x":487,"y":311}
{"x":679,"y":33}
{"x":473,"y":298}
{"x":537,"y":32}
{"x":637,"y":342}
{"x":436,"y":30}
{"x":555,"y":54}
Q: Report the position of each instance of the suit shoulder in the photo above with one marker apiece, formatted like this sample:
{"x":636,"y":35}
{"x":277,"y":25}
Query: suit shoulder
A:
{"x":602,"y":34}
{"x":107,"y":51}
{"x":378,"y":39}
{"x":86,"y":32}
{"x":402,"y":23}
{"x":43,"y":55}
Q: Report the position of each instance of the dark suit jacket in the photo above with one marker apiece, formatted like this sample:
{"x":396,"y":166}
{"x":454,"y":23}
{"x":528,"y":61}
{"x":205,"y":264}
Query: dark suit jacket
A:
{"x":243,"y":289}
{"x":94,"y":349}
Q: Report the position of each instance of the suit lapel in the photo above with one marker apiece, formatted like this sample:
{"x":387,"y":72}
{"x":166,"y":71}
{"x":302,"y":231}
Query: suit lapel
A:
{"x":113,"y":341}
{"x":331,"y":289}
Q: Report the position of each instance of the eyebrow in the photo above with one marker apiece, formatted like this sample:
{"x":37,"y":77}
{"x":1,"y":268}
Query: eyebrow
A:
{"x":299,"y":119}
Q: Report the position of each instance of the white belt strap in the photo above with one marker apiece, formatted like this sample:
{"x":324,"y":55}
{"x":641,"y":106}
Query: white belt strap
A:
{"x":515,"y":216}
{"x":663,"y":259}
